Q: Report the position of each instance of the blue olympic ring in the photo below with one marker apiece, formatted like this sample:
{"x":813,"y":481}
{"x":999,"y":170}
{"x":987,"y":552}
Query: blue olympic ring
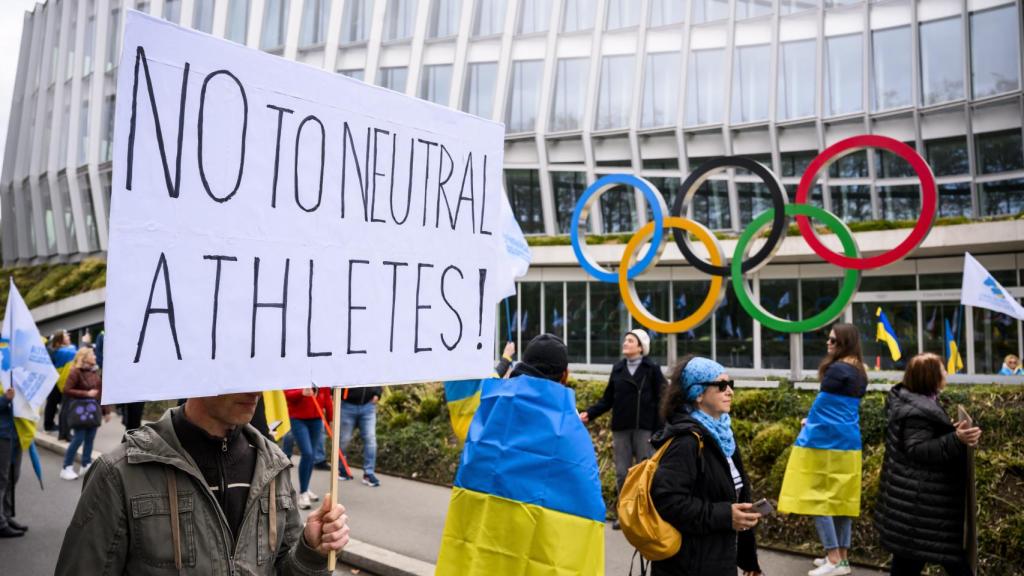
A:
{"x":577,"y":231}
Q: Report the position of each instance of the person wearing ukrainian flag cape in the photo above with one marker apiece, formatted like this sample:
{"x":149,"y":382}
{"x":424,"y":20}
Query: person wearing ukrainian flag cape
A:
{"x":823,"y":474}
{"x":527,"y":497}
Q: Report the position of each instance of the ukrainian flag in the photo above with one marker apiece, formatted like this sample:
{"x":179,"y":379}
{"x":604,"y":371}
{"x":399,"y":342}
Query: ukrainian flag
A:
{"x":463,"y":398}
{"x":527,"y":497}
{"x":954,"y":363}
{"x":62,"y":362}
{"x":823,"y":473}
{"x":885,"y":333}
{"x":275,"y":407}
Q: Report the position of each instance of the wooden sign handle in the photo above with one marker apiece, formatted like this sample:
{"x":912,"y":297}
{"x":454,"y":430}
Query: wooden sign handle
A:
{"x":332,"y":556}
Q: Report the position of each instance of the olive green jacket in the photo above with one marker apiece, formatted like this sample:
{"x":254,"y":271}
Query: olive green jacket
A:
{"x":126,"y":523}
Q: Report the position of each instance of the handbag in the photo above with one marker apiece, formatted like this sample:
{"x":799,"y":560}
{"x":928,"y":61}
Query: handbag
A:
{"x":84,"y":413}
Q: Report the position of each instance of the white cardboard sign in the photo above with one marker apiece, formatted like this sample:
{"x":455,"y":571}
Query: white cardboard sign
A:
{"x":273,"y":225}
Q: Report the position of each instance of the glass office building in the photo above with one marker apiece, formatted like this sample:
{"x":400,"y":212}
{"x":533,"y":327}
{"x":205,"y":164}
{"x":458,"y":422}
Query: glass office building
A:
{"x":651,"y":87}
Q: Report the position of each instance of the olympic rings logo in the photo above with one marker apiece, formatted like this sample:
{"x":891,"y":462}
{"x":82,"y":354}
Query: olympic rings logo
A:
{"x":719,"y":268}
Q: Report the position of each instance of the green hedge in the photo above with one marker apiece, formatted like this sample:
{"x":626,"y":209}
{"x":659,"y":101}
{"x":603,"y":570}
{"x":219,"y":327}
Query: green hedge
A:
{"x":415,"y":440}
{"x":48,"y":283}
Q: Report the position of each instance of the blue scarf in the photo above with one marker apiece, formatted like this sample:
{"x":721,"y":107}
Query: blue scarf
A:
{"x":721,"y":429}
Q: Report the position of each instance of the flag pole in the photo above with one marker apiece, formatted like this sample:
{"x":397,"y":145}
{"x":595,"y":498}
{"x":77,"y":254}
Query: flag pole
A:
{"x":332,"y":556}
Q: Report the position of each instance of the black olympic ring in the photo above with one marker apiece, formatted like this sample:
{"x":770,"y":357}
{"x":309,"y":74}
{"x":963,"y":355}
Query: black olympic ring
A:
{"x":780,"y":222}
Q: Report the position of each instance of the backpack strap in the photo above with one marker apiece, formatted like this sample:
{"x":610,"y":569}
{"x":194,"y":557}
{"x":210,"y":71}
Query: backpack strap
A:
{"x":700,"y":449}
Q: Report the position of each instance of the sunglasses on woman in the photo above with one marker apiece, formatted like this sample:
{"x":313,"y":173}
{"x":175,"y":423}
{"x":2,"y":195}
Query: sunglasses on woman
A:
{"x":720,"y":384}
{"x":832,"y":340}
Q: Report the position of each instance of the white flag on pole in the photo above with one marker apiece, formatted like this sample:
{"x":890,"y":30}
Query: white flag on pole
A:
{"x":26,"y":364}
{"x":981,"y":289}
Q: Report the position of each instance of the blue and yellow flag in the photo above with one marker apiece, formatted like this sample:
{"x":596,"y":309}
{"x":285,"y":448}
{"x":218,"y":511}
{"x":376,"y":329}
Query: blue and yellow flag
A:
{"x":527,"y":497}
{"x":823,"y":474}
{"x":62,"y":362}
{"x":463,"y":398}
{"x":954,"y":363}
{"x":885,"y":333}
{"x":275,"y":407}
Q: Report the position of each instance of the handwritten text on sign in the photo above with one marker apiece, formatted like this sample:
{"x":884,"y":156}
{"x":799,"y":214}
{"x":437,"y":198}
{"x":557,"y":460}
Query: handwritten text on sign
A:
{"x":273,"y":224}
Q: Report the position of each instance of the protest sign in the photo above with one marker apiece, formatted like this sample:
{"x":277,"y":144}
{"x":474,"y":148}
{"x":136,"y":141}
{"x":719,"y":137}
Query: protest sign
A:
{"x":274,"y":224}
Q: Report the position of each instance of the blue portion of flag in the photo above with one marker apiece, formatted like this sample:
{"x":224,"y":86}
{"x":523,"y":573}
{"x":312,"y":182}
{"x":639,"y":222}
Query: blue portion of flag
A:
{"x":460,"y":390}
{"x":832,"y":424}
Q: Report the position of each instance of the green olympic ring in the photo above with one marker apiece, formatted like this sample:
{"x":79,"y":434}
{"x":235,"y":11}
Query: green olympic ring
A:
{"x":851,"y":278}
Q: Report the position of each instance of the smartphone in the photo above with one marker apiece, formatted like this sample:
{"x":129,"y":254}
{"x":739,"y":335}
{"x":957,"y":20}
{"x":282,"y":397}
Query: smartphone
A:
{"x":763,"y":507}
{"x":961,"y":414}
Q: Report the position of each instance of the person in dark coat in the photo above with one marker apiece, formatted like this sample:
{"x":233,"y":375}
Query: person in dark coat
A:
{"x":633,"y":392}
{"x":920,"y":514}
{"x":700,"y":486}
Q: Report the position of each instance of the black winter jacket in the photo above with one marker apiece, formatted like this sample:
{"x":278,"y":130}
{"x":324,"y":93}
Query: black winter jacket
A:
{"x":693,"y":491}
{"x":632,"y":398}
{"x":920,"y":512}
{"x":362,"y":395}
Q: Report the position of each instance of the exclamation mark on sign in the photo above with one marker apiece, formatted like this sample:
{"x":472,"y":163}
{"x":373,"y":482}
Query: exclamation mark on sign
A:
{"x":480,"y":314}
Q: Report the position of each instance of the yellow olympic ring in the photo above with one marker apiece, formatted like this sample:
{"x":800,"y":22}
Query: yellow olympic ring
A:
{"x":627,"y":288}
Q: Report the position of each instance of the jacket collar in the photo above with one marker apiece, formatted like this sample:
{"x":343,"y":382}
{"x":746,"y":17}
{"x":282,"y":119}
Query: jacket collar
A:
{"x":904,"y":403}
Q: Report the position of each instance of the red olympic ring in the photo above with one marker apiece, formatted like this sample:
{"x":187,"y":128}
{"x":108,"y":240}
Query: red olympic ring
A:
{"x":929,"y":200}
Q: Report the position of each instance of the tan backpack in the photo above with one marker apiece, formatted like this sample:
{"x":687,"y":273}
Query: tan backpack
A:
{"x":652,"y":536}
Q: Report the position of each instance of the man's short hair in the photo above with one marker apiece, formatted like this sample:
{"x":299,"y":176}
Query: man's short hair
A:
{"x":548,"y":355}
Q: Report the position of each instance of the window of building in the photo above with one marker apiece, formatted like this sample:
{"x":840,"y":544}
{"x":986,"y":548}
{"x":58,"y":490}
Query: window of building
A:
{"x":850,"y":166}
{"x":489,"y":17}
{"x":524,"y":95}
{"x":889,"y":165}
{"x":478,"y":95}
{"x":83,"y":133}
{"x":794,"y":164}
{"x":845,"y":62}
{"x":202,"y":15}
{"x":935,"y":316}
{"x":567,"y":187}
{"x":92,"y":239}
{"x":754,"y":199}
{"x":890,"y":283}
{"x":399,"y":19}
{"x":354,"y":73}
{"x":903,"y":318}
{"x":314,"y":23}
{"x":30,"y":217}
{"x":65,"y":129}
{"x":708,"y":10}
{"x":107,"y":143}
{"x":238,"y":21}
{"x":955,"y":200}
{"x":735,"y":333}
{"x":816,"y":294}
{"x":705,"y":86}
{"x":49,"y":221}
{"x":947,"y":156}
{"x":995,"y":51}
{"x":393,"y":78}
{"x":851,"y":203}
{"x":618,"y":210}
{"x":172,"y":10}
{"x":669,"y":186}
{"x":891,"y":68}
{"x":436,"y":83}
{"x":609,"y":320}
{"x":1001,"y":197}
{"x":711,"y":205}
{"x":113,"y":51}
{"x":794,"y":6}
{"x":89,"y":43}
{"x":69,"y":63}
{"x":750,"y":76}
{"x":841,"y":3}
{"x":995,"y":336}
{"x":576,"y":313}
{"x":534,"y":16}
{"x":900,"y":202}
{"x":762,"y":159}
{"x":779,"y":297}
{"x":614,"y":100}
{"x":68,"y":215}
{"x":752,"y":8}
{"x":665,"y":12}
{"x":661,"y":89}
{"x":999,"y":151}
{"x":660,"y":164}
{"x":655,"y":298}
{"x":687,"y":296}
{"x":275,"y":24}
{"x":355,"y":21}
{"x":797,"y":79}
{"x":444,"y":18}
{"x":578,"y":15}
{"x":622,"y":14}
{"x":942,"y":61}
{"x":570,"y":94}
{"x":528,"y":320}
{"x":523,"y":188}
{"x":554,"y":308}
{"x":54,"y":50}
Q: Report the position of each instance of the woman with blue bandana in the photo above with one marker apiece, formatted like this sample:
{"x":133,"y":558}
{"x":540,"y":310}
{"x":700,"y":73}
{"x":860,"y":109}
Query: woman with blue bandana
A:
{"x":700,"y":487}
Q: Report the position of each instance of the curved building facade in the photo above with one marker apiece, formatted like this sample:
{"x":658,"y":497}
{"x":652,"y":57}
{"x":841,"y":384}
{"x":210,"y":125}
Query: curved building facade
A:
{"x":649,"y":87}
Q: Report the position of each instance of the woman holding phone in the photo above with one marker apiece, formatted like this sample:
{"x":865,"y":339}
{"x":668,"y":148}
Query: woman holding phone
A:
{"x":700,"y":487}
{"x":922,"y":495}
{"x":823,"y":473}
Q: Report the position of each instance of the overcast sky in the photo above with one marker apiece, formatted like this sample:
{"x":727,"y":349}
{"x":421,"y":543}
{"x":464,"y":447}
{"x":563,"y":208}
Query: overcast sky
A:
{"x":12,"y":14}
